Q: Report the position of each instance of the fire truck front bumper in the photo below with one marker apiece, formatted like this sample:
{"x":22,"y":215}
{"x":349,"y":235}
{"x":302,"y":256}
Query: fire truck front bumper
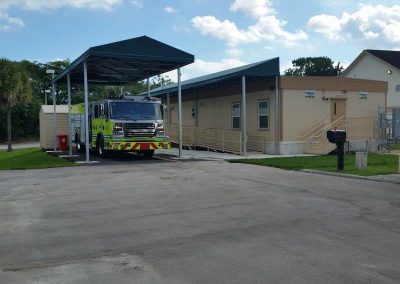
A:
{"x":139,"y":146}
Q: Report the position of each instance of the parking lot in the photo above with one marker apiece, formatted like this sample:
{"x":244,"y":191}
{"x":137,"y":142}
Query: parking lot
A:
{"x":165,"y":221}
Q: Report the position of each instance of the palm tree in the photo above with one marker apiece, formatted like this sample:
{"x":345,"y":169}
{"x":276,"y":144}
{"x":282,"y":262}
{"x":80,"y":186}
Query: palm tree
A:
{"x":15,"y":88}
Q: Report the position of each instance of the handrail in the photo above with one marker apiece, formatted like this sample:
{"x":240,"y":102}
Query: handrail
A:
{"x":325,"y":128}
{"x":311,"y":127}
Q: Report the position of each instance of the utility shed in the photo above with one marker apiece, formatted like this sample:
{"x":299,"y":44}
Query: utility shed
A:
{"x":46,"y":124}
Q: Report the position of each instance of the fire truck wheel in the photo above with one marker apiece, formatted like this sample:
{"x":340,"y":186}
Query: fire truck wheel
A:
{"x":100,"y":147}
{"x":79,"y":146}
{"x":148,"y":153}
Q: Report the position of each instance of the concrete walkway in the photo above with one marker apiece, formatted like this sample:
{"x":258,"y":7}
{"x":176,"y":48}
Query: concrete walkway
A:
{"x":3,"y":146}
{"x":215,"y":156}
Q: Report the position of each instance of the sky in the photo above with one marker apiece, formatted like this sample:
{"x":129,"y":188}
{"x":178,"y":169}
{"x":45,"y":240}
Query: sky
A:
{"x":221,"y":34}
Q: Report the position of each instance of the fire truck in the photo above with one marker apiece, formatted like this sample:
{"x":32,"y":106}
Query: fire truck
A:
{"x":130,"y":124}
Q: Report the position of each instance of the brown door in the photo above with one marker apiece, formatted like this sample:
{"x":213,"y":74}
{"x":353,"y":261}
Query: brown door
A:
{"x":338,"y":109}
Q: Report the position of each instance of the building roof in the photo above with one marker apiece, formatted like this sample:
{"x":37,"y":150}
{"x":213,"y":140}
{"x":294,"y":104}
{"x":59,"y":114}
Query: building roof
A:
{"x":50,"y":109}
{"x":390,"y":56}
{"x":266,"y":68}
{"x":125,"y":62}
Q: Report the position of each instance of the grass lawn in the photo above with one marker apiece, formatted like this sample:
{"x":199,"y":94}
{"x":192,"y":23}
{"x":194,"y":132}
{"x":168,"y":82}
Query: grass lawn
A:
{"x":377,"y":164}
{"x":30,"y":158}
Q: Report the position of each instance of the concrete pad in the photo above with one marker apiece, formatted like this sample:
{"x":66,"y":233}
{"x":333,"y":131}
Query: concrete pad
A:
{"x":195,"y":222}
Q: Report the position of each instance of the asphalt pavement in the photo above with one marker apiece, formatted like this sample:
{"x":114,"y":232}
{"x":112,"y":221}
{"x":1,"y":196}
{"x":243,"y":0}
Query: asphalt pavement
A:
{"x":196,"y":222}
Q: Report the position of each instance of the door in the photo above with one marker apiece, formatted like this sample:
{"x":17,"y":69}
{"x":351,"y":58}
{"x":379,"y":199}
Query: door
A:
{"x":338,"y":109}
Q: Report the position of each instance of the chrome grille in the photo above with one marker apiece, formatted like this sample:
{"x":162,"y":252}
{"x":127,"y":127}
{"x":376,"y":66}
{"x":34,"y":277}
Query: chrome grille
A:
{"x":140,"y":130}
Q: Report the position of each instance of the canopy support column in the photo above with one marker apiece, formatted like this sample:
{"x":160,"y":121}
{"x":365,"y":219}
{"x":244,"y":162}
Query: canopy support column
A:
{"x":69,"y":116}
{"x":277,"y":115}
{"x":244,"y":112}
{"x":168,"y":110}
{"x":54,"y":113}
{"x":148,"y":87}
{"x":180,"y":113}
{"x":85,"y":81}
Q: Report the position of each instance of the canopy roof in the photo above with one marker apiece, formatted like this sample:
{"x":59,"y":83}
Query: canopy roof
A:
{"x":266,"y":68}
{"x":125,"y":62}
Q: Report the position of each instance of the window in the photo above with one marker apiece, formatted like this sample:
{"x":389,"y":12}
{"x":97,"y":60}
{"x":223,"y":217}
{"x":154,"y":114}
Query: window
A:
{"x":398,"y":88}
{"x":193,"y":112}
{"x":363,"y":96}
{"x":96,"y":111}
{"x":309,"y":94}
{"x":263,"y":114}
{"x":236,"y":115}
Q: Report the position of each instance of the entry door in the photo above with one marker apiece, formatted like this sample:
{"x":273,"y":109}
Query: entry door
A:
{"x":338,"y":109}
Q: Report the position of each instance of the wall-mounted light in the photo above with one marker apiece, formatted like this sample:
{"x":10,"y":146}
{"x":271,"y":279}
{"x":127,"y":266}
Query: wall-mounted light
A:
{"x":389,"y":71}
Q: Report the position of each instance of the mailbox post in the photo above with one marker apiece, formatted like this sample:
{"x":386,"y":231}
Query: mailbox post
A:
{"x":338,"y":137}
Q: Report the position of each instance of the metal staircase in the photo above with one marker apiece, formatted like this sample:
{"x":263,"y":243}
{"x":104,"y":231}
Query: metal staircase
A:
{"x":314,"y":137}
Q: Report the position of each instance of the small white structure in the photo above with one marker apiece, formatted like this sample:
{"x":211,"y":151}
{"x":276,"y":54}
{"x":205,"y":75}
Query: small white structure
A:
{"x":46,"y":124}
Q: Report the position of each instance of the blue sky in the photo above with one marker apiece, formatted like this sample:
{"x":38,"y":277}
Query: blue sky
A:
{"x":220,"y":33}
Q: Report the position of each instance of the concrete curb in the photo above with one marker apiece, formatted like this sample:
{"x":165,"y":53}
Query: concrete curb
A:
{"x":371,"y":178}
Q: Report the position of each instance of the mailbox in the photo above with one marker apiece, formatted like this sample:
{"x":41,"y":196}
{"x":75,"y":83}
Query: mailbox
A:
{"x":336,"y":136}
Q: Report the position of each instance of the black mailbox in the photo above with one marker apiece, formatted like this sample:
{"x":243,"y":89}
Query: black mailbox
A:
{"x":338,"y":137}
{"x":335,"y":136}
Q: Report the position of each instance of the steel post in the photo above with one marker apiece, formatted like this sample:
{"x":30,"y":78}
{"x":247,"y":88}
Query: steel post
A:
{"x":180,"y":113}
{"x":277,"y":132}
{"x":86,"y":87}
{"x":54,"y":113}
{"x":244,"y":113}
{"x":69,"y":116}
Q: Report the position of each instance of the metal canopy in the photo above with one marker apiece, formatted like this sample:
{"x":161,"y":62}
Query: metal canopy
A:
{"x":267,"y":68}
{"x":125,"y":62}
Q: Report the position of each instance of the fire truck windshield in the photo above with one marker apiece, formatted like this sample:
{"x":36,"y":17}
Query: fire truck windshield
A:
{"x":135,"y":111}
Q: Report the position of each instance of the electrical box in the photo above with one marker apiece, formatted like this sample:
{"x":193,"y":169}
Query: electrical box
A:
{"x":383,"y":121}
{"x":396,"y":123}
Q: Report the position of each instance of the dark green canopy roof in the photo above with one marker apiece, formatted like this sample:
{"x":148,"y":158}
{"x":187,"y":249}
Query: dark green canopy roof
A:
{"x":125,"y":62}
{"x":267,"y":68}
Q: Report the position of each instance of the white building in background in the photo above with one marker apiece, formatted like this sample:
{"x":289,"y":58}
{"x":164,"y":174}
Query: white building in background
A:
{"x":381,"y":65}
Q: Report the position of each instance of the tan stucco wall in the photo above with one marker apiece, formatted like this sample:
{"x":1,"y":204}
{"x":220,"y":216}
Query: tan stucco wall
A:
{"x":301,"y":112}
{"x":370,"y":67}
{"x":217,"y":112}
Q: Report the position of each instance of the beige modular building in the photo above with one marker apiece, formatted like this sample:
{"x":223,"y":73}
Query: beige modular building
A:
{"x":213,"y":117}
{"x":46,"y":124}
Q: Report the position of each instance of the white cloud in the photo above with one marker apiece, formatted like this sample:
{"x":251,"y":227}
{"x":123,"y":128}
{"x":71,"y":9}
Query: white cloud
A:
{"x":203,"y":67}
{"x":371,"y":25}
{"x":56,"y":4}
{"x":170,"y":10}
{"x":255,"y":8}
{"x":234,"y":52}
{"x":137,"y":3}
{"x":9,"y":22}
{"x":267,"y":28}
{"x":37,"y":5}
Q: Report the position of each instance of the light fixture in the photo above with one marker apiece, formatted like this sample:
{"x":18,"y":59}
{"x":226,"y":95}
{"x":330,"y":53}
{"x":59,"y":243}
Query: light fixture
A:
{"x":389,"y":71}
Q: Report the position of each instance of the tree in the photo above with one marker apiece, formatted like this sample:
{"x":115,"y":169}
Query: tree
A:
{"x":314,"y":66}
{"x":15,"y":88}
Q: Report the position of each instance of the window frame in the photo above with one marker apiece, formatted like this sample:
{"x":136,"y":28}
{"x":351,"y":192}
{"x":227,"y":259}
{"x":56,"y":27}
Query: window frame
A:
{"x":240,"y":116}
{"x":259,"y":115}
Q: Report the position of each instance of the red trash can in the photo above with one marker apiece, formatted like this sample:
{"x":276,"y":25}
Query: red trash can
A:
{"x":62,"y":142}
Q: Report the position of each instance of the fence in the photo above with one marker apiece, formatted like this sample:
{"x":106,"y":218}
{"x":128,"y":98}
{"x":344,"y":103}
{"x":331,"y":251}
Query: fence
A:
{"x":222,"y":140}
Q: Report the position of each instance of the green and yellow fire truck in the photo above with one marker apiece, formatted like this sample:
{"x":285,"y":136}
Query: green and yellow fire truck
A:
{"x":132,"y":124}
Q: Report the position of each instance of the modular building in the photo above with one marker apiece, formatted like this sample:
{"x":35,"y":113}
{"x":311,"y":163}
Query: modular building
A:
{"x":302,"y":108}
{"x":47,"y":138}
